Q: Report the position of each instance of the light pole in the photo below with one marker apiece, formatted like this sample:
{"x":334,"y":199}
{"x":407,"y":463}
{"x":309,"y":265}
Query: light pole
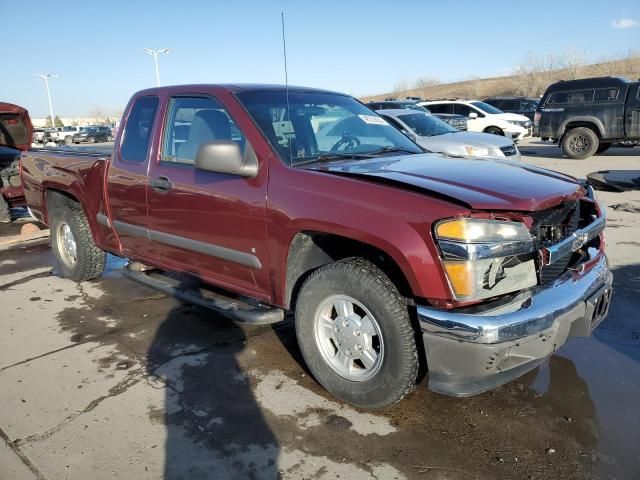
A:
{"x":46,"y":77}
{"x":154,"y":54}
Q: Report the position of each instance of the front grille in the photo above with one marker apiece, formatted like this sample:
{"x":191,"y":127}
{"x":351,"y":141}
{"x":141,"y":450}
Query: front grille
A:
{"x":551,"y":226}
{"x":509,"y":151}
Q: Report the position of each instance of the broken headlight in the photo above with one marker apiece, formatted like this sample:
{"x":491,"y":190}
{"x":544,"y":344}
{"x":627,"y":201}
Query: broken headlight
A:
{"x":486,"y":258}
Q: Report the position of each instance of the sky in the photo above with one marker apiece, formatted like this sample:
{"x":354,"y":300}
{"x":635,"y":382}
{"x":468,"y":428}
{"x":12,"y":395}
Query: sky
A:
{"x":353,"y":46}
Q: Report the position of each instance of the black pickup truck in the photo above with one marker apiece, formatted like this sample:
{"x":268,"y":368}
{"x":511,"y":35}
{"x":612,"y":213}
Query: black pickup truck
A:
{"x":586,"y":116}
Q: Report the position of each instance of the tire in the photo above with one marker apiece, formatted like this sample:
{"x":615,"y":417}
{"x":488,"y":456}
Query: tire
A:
{"x":603,"y":147}
{"x":580,"y":143}
{"x":67,"y":218}
{"x":109,"y":138}
{"x":494,"y":131}
{"x":388,"y":378}
{"x":92,"y":140}
{"x":545,"y":139}
{"x":68,"y":140}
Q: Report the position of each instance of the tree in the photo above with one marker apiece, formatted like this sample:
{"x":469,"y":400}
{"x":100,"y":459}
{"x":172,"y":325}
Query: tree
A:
{"x":57,"y":122}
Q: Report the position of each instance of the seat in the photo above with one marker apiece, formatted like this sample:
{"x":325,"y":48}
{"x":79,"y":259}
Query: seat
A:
{"x":206,"y":126}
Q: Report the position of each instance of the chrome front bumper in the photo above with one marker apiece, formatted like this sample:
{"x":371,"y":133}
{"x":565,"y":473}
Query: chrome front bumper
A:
{"x":481,"y":348}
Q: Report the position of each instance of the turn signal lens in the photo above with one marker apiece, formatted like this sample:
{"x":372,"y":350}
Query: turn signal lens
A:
{"x":461,"y":278}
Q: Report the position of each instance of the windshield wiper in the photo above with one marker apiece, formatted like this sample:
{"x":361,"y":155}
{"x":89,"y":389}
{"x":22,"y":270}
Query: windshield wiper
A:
{"x":390,"y":149}
{"x":332,"y":156}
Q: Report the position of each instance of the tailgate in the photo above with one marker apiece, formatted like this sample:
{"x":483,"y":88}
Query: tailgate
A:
{"x":16,"y":130}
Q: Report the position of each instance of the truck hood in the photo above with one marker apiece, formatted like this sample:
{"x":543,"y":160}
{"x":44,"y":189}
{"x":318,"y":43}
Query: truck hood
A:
{"x":16,"y":130}
{"x":481,"y":184}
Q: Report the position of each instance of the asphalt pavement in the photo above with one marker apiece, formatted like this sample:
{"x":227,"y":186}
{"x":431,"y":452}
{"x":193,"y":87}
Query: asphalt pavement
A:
{"x":111,"y":380}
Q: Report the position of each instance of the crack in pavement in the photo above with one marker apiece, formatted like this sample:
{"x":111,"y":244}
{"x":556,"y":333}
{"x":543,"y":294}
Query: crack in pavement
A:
{"x":23,"y":458}
{"x":42,"y":355}
{"x":26,"y":279}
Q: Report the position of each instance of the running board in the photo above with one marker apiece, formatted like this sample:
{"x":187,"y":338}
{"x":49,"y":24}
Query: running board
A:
{"x":190,"y":290}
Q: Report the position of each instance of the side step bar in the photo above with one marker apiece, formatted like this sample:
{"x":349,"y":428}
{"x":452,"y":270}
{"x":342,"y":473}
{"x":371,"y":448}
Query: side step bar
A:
{"x":191,"y":292}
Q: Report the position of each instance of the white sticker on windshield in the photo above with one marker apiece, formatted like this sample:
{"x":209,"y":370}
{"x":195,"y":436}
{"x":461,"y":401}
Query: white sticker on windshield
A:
{"x":373,"y":120}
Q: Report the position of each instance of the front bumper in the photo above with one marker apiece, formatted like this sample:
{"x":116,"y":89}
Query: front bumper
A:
{"x":487,"y":346}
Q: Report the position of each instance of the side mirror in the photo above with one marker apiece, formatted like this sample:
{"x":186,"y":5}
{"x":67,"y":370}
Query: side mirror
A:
{"x":473,"y":115}
{"x":225,"y":156}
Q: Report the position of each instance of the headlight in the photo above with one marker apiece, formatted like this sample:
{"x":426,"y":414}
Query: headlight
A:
{"x":486,"y":258}
{"x":521,"y":123}
{"x":477,"y":152}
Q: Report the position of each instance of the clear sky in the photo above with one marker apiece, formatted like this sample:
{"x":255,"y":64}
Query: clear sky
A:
{"x":354,"y":46}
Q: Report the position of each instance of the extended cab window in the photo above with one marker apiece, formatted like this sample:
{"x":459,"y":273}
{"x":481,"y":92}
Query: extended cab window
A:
{"x":192,"y":122}
{"x":138,"y":128}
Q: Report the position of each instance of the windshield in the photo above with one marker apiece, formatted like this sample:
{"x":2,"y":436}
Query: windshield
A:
{"x":321,"y":124}
{"x":426,"y":125}
{"x":485,"y":107}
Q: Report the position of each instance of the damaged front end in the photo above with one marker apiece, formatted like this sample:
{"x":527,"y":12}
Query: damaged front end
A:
{"x":526,"y":284}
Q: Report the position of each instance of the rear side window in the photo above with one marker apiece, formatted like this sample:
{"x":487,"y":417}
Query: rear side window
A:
{"x":576,"y":96}
{"x":440,"y":108}
{"x":508,"y":105}
{"x":192,"y":122}
{"x":138,"y":128}
{"x":606,"y":94}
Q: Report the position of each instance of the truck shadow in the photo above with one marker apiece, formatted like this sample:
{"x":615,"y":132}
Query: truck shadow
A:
{"x":214,"y":426}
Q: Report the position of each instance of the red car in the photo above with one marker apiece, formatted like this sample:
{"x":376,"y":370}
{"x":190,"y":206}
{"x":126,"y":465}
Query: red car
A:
{"x":306,"y":201}
{"x":16,"y":134}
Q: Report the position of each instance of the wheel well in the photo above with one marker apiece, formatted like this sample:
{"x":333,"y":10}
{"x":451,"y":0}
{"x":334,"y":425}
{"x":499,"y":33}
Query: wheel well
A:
{"x":311,"y":250}
{"x":492,"y":127}
{"x":576,"y":124}
{"x":57,"y":198}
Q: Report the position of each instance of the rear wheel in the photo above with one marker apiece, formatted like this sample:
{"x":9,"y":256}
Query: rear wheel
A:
{"x":580,"y":143}
{"x":494,"y":131}
{"x":603,"y":147}
{"x":73,"y":245}
{"x":355,"y":334}
{"x":68,"y":140}
{"x":92,"y":140}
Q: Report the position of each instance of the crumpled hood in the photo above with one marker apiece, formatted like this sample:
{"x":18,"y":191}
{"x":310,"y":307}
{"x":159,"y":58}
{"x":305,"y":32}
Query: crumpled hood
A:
{"x":15,"y":127}
{"x":482,"y":184}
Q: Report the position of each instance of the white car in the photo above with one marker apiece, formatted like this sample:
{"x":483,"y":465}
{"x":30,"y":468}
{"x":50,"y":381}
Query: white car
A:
{"x":431,"y":133}
{"x":483,"y":117}
{"x":64,"y":134}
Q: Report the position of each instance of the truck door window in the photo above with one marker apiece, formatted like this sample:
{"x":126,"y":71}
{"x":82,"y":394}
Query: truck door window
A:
{"x":138,"y":128}
{"x":193,"y":121}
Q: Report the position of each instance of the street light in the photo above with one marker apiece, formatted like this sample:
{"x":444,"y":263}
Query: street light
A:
{"x":154,"y":54}
{"x":46,"y":77}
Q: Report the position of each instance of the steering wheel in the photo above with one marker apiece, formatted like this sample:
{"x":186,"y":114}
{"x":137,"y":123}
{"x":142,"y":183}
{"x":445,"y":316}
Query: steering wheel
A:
{"x":348,"y":141}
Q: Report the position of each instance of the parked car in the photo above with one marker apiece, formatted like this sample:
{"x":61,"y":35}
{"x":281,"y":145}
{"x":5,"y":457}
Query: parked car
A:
{"x":92,"y":135}
{"x":586,"y":116}
{"x":39,"y":135}
{"x":482,"y":117}
{"x":16,"y":133}
{"x":64,"y":134}
{"x":437,"y":136}
{"x":456,"y":121}
{"x":521,"y":105}
{"x":370,"y":242}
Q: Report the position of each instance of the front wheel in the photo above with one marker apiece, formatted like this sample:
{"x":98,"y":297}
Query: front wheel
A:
{"x":494,"y":131}
{"x":92,"y":140}
{"x":355,"y":334}
{"x":580,"y":143}
{"x":68,"y":140}
{"x":73,"y":245}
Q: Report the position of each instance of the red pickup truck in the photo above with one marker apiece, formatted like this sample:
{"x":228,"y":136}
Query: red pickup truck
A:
{"x":258,"y":200}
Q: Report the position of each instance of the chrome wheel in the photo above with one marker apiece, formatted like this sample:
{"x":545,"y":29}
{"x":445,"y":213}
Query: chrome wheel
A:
{"x":579,"y":144}
{"x":349,"y":338}
{"x":66,"y":244}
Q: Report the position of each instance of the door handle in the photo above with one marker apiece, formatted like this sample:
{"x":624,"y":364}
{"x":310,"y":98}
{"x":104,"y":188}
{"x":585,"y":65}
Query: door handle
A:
{"x":161,"y":183}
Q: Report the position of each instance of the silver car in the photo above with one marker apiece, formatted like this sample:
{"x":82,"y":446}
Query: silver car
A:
{"x":435,"y":135}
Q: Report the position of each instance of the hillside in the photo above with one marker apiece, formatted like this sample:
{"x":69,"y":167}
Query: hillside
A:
{"x":532,"y":82}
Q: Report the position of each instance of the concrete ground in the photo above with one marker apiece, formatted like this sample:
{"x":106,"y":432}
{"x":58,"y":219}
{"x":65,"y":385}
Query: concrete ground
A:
{"x":111,"y":380}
